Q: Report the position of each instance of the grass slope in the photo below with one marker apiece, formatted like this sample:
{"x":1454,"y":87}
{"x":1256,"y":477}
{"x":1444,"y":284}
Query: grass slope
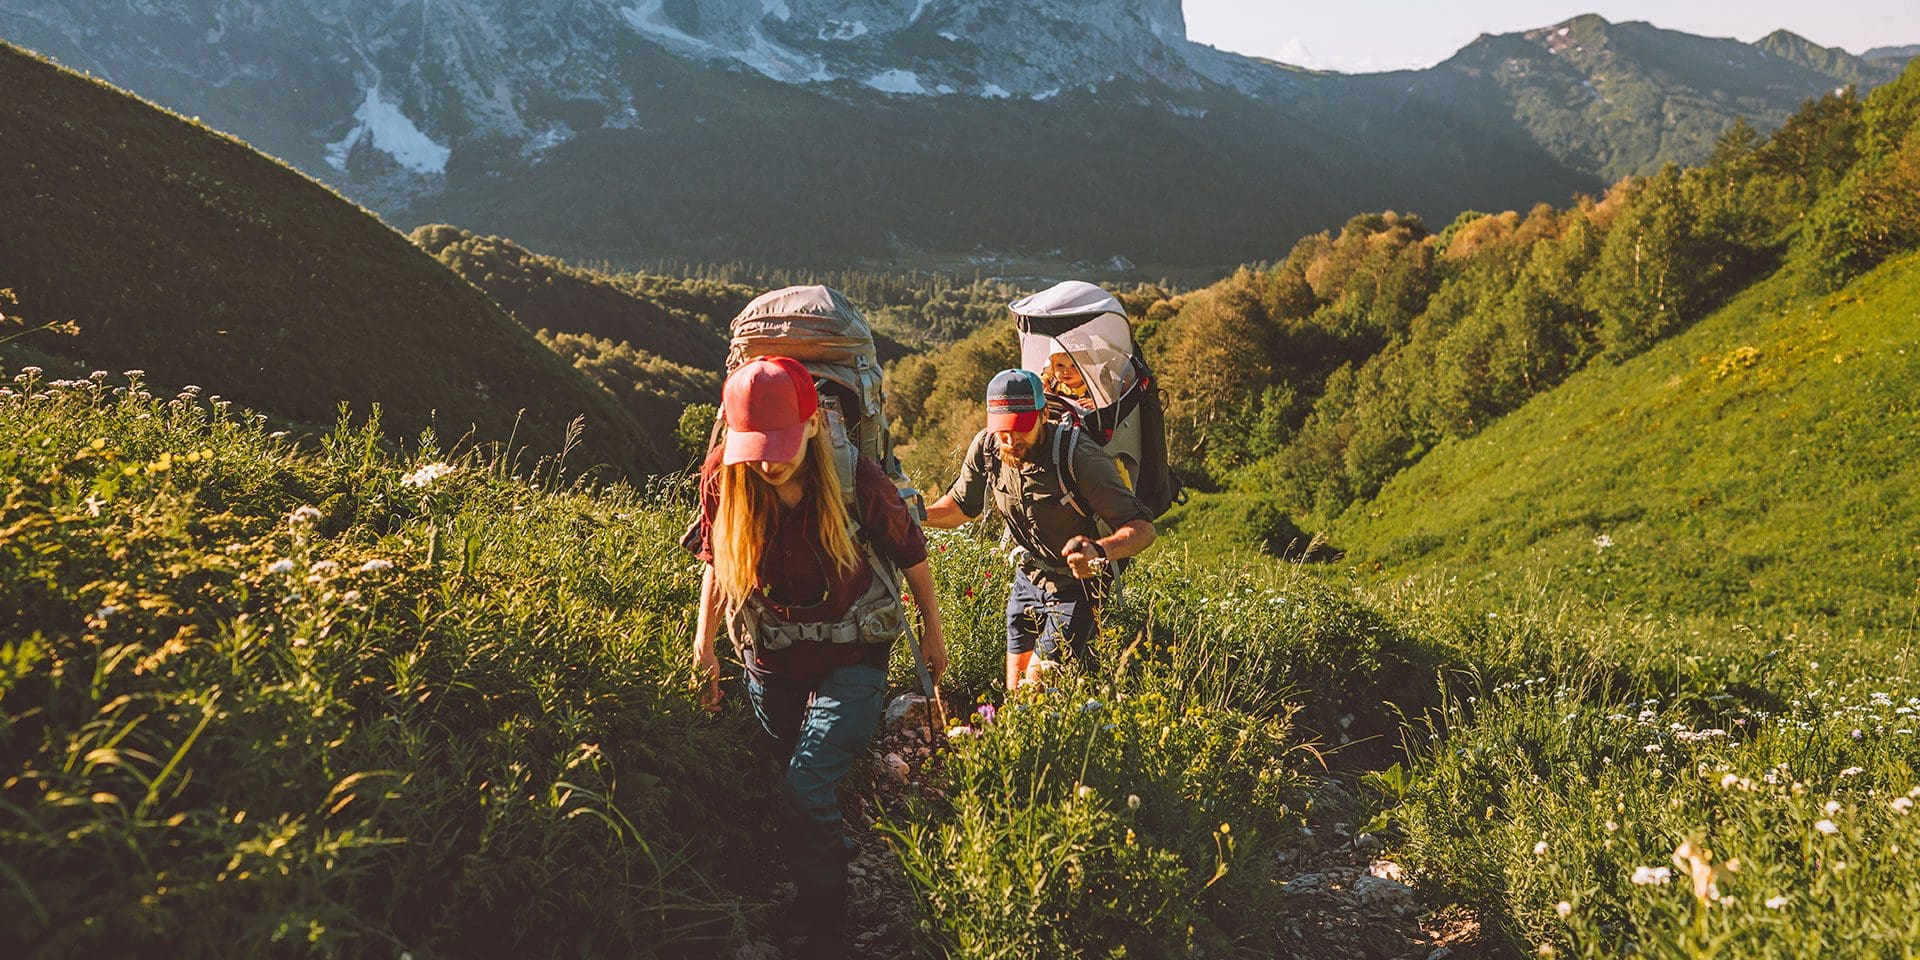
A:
{"x":191,"y":256}
{"x":1759,"y":461}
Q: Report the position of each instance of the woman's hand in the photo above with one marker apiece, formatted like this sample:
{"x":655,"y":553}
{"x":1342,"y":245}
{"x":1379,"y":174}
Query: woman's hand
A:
{"x":933,"y":650}
{"x":933,"y":644}
{"x":706,"y":665}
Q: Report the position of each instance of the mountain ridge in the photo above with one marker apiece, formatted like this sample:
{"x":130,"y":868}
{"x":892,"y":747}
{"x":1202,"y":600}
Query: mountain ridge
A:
{"x":515,"y":105}
{"x":227,"y":270}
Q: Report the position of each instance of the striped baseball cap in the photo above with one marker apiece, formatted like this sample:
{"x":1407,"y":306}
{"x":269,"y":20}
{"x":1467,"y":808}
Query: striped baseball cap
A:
{"x":1015,"y":401}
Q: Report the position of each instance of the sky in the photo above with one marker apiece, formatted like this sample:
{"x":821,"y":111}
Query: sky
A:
{"x":1368,"y":35}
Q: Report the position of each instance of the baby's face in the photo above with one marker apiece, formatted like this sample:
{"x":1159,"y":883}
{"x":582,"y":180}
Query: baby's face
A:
{"x":1063,"y":371}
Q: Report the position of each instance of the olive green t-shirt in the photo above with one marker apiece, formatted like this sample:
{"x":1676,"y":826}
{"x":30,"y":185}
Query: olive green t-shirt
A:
{"x":1032,"y":499}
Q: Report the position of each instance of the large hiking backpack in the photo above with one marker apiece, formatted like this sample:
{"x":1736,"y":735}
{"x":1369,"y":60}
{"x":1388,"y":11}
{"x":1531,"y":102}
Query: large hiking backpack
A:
{"x":1121,"y":406}
{"x":817,"y":326}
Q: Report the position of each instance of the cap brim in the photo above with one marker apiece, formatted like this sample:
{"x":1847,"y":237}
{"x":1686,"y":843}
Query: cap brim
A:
{"x":770,"y":446}
{"x":1017,"y":422}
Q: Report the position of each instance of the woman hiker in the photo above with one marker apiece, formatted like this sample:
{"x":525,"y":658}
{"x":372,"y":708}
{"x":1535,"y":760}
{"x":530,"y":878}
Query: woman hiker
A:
{"x":792,"y":573}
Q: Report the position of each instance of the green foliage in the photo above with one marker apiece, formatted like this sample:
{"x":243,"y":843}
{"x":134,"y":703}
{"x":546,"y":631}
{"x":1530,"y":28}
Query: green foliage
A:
{"x":264,"y":701}
{"x":186,"y":254}
{"x":1750,"y":464}
{"x":1107,"y":821}
{"x":1874,"y":211}
{"x":683,"y":321}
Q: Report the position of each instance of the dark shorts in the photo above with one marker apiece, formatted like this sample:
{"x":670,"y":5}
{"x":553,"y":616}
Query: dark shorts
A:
{"x":1049,"y":619}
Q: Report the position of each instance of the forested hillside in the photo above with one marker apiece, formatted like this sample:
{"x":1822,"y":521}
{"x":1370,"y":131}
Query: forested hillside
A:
{"x":184,"y":253}
{"x":1309,"y":382}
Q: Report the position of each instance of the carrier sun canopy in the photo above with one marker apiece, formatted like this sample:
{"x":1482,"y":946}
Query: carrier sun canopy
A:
{"x":1087,"y":324}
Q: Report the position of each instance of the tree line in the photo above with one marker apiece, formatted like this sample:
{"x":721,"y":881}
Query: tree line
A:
{"x":1316,"y":378}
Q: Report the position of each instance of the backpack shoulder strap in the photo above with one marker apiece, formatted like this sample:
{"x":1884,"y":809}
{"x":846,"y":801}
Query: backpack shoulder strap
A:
{"x":1065,"y":439}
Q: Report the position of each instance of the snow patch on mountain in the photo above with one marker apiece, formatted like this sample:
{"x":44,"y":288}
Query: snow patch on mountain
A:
{"x":897,"y":81}
{"x":393,"y":134}
{"x":841,"y":30}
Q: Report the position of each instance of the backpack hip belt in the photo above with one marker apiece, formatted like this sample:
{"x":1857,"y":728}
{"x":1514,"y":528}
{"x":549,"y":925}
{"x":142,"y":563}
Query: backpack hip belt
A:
{"x":877,"y":616}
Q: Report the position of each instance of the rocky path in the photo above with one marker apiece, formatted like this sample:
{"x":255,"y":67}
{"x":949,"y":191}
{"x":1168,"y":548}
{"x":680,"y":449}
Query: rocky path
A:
{"x":1349,"y":899}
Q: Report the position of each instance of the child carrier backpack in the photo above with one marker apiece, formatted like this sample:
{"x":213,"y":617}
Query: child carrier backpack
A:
{"x":1118,"y":401}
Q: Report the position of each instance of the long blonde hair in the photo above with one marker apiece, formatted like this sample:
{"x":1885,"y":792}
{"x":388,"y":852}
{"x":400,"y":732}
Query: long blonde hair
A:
{"x":743,"y":523}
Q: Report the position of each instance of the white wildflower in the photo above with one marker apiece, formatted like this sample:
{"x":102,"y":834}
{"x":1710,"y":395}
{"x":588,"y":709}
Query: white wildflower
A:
{"x":1832,"y":807}
{"x":303,"y":515}
{"x":1540,"y":849}
{"x":1827,"y":827}
{"x":1563,"y":908}
{"x":282,"y":565}
{"x":1602,"y":542}
{"x":376,"y":565}
{"x":1651,"y":876}
{"x":1852,"y":772}
{"x":426,"y":475}
{"x":1776,"y":903}
{"x":1902,"y":806}
{"x":324,"y":568}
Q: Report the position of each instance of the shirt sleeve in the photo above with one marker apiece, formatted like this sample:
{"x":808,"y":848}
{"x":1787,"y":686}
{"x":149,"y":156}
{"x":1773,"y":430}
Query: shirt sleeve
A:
{"x":969,"y":490}
{"x":1100,"y":486}
{"x":698,"y":539}
{"x":883,"y":515}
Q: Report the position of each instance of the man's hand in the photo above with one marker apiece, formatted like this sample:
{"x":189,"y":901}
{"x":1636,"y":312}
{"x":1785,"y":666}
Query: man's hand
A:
{"x":1085,"y":557}
{"x":707,"y":666}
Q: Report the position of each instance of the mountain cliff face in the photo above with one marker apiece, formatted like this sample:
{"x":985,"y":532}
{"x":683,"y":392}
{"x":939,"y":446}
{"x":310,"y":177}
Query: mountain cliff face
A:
{"x":1093,"y":128}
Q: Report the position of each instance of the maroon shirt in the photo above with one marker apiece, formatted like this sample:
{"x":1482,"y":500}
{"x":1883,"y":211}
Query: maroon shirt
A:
{"x":795,"y":573}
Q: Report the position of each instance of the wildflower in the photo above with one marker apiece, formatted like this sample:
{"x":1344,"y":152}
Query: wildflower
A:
{"x":1083,"y":791}
{"x":303,"y":515}
{"x":1902,"y":806}
{"x":1540,"y":849}
{"x":1133,"y":801}
{"x":282,"y":565}
{"x":1832,"y":807}
{"x":325,"y":568}
{"x":350,"y":597}
{"x":960,"y":732}
{"x":1827,"y":827}
{"x":1602,"y":542}
{"x":1652,"y":748}
{"x":1651,"y":876}
{"x":1090,"y":706}
{"x":106,"y":611}
{"x":1776,"y":903}
{"x":376,"y":565}
{"x":1563,"y":908}
{"x":1226,"y":828}
{"x":1611,"y":826}
{"x":426,"y":475}
{"x":1852,"y":772}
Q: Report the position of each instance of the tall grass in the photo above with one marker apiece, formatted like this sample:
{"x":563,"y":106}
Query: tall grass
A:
{"x":259,"y":699}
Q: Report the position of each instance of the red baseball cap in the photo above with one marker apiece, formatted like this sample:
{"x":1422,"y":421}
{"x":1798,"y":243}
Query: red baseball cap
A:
{"x":767,"y":404}
{"x":1015,"y":401}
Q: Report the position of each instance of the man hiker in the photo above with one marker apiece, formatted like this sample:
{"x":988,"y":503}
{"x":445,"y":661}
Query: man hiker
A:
{"x":1055,"y":487}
